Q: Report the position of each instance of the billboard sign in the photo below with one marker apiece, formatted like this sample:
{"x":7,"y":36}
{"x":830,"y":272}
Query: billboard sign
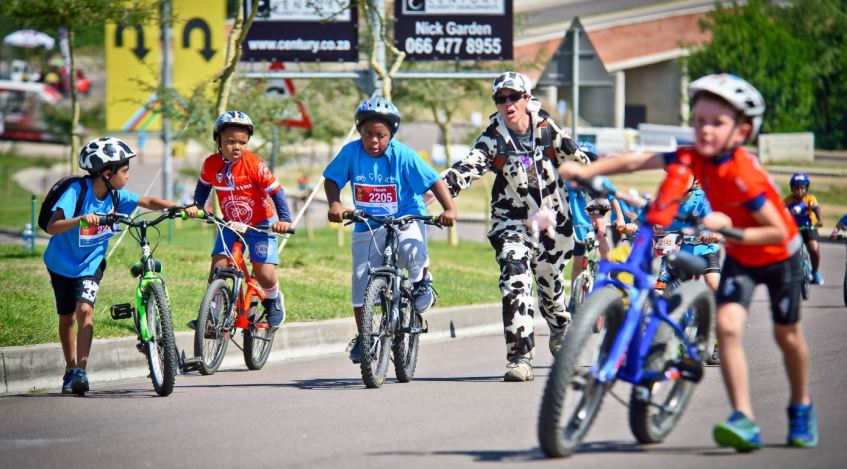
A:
{"x":303,"y":31}
{"x":454,"y":29}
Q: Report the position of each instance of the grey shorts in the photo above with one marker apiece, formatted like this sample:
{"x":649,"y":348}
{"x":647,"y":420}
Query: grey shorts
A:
{"x":367,"y":250}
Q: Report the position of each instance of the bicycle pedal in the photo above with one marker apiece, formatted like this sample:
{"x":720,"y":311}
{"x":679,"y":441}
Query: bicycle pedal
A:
{"x":425,"y":327}
{"x":191,"y":364}
{"x":122,"y":311}
{"x":689,"y":370}
{"x":139,"y":346}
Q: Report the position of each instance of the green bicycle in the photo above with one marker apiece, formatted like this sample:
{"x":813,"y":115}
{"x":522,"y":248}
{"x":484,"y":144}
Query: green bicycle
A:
{"x":152,"y":312}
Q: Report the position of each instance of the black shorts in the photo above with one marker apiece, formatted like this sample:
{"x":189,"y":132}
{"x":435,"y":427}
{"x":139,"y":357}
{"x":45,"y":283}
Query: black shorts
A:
{"x":70,"y":291}
{"x":713,"y":263}
{"x":784,"y":280}
{"x":578,"y":249}
{"x":809,"y":235}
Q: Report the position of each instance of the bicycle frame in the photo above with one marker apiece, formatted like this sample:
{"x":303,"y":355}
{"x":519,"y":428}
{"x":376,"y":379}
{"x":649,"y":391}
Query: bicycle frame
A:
{"x":629,"y":349}
{"x":244,"y":292}
{"x":392,"y":273}
{"x":148,"y":275}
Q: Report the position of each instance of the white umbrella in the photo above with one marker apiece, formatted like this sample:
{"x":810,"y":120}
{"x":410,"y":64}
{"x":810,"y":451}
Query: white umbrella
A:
{"x":29,"y":38}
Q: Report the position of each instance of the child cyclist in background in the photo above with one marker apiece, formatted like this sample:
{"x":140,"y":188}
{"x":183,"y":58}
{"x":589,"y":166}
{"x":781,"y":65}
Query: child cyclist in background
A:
{"x":807,"y":213}
{"x":727,"y":111}
{"x":248,"y":193}
{"x":75,"y":255}
{"x":387,"y":179}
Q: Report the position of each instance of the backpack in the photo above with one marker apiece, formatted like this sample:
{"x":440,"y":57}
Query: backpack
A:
{"x":502,"y":150}
{"x":53,"y":195}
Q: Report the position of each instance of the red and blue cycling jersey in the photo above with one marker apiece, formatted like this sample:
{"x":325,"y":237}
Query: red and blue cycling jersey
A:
{"x":244,"y":188}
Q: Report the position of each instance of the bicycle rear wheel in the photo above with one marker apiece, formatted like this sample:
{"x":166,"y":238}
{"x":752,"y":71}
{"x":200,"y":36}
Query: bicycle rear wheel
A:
{"x":572,"y":396}
{"x":211,"y":335}
{"x":374,"y":334}
{"x":258,"y":339}
{"x":655,"y":408}
{"x":161,"y":348}
{"x":405,"y":346}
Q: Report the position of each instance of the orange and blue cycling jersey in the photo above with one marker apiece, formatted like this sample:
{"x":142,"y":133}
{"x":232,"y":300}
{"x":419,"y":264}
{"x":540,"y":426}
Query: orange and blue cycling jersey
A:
{"x":802,"y":210}
{"x":736,"y":185}
{"x":244,"y":188}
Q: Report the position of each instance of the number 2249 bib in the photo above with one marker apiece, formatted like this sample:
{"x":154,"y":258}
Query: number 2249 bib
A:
{"x":380,"y":200}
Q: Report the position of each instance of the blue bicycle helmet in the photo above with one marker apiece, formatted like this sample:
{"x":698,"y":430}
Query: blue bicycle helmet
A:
{"x":232,"y":119}
{"x":589,"y":149}
{"x":800,"y":179}
{"x":378,"y":108}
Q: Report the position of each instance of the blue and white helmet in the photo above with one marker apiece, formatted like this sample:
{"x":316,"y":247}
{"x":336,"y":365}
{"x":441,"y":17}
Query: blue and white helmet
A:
{"x":232,"y":119}
{"x":513,"y":81}
{"x":104,"y":153}
{"x":589,"y":149}
{"x":736,"y":91}
{"x":800,"y":179}
{"x":379,"y":108}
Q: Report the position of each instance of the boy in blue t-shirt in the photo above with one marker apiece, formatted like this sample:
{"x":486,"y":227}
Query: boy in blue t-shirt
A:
{"x":387,"y":178}
{"x":75,"y":254}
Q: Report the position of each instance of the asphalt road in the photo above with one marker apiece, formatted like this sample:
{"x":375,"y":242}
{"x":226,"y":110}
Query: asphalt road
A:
{"x":456,"y":413}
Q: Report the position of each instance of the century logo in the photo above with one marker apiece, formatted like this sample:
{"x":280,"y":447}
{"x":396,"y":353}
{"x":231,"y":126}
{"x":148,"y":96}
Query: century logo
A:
{"x":454,"y":7}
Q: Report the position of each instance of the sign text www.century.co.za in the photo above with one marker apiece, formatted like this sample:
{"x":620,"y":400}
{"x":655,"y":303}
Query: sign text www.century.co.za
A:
{"x":454,"y":29}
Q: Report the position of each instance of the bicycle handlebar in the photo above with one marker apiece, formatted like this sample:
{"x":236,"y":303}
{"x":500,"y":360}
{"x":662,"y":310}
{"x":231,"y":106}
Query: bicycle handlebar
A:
{"x":361,"y":216}
{"x":234,"y":226}
{"x":168,"y":213}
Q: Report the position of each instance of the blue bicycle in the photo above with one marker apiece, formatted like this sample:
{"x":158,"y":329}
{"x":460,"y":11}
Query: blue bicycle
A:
{"x":656,"y":341}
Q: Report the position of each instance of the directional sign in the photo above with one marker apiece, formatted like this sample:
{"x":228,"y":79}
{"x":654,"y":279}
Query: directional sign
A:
{"x":132,"y":73}
{"x":278,"y":88}
{"x":199,"y":42}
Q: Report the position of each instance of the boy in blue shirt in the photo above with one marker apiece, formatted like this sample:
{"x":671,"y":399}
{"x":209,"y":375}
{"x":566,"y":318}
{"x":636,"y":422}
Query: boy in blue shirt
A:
{"x":387,"y":178}
{"x":75,"y":254}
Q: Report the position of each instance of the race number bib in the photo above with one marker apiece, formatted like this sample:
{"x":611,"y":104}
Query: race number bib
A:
{"x":92,"y":235}
{"x":380,"y":200}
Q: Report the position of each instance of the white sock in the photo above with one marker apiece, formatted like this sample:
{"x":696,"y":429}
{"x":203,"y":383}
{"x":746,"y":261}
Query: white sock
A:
{"x":272,"y":293}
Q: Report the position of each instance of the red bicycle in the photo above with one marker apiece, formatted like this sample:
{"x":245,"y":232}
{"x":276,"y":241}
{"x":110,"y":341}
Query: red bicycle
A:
{"x":231,"y":302}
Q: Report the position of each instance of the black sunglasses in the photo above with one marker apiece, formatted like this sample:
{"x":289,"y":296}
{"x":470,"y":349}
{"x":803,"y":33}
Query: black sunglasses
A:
{"x":513,"y":98}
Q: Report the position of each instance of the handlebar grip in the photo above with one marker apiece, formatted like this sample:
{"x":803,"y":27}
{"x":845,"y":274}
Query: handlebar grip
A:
{"x":184,"y":215}
{"x":733,"y":233}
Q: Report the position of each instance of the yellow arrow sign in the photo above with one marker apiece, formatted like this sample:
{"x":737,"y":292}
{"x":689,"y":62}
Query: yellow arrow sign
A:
{"x":132,"y":73}
{"x":199,"y":43}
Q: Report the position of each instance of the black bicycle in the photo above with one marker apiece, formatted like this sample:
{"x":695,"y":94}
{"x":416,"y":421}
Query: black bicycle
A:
{"x":389,"y":320}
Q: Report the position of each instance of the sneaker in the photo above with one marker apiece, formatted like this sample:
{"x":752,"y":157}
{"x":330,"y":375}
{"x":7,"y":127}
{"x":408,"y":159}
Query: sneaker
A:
{"x":738,"y":432}
{"x":557,"y":341}
{"x":79,"y":382}
{"x":355,"y":350}
{"x":66,"y":381}
{"x":518,"y":370}
{"x":715,"y":357}
{"x":423,"y":295}
{"x":275,"y":309}
{"x":817,"y":278}
{"x":802,"y":426}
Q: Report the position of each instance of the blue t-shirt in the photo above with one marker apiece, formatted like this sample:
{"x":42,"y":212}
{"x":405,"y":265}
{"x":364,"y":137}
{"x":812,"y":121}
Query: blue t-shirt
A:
{"x":581,"y":223}
{"x":79,"y":251}
{"x":696,"y":206}
{"x":389,"y":184}
{"x":843,"y":221}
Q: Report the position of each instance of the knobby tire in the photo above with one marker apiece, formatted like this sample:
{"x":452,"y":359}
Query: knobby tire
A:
{"x":161,"y":349}
{"x":258,"y":341}
{"x":405,"y":346}
{"x":374,"y":335}
{"x":210,"y":335}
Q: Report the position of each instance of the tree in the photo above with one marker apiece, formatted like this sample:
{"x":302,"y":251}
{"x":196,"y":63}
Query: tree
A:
{"x":75,"y":16}
{"x":751,"y":42}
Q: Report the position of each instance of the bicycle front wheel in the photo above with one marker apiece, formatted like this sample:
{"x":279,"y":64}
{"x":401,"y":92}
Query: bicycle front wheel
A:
{"x":161,"y":348}
{"x":211,"y":335}
{"x":374,"y":334}
{"x":258,"y":339}
{"x":655,"y":408}
{"x":807,"y":274}
{"x":405,"y":347}
{"x":572,"y":396}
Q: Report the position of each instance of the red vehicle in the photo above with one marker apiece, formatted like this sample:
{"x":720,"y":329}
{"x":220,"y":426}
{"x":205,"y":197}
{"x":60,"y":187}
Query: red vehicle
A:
{"x":21,"y":106}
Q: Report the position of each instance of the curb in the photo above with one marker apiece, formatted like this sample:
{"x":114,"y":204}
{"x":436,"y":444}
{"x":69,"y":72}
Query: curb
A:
{"x":39,"y":367}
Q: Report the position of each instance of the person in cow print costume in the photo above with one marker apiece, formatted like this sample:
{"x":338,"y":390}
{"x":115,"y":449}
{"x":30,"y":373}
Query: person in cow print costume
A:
{"x":532,"y":231}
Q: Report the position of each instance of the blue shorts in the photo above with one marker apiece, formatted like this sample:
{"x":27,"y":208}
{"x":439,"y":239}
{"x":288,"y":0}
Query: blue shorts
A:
{"x":262,"y":247}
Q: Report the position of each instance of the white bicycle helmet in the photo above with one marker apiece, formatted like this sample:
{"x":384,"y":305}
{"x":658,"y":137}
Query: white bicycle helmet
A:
{"x":513,"y":81}
{"x":736,"y":91}
{"x":232,"y":119}
{"x":104,"y":153}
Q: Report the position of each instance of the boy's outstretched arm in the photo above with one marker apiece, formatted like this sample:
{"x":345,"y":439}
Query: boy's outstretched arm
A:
{"x":333,"y":198}
{"x":155,"y":203}
{"x":626,"y":163}
{"x":771,"y":229}
{"x":442,"y":194}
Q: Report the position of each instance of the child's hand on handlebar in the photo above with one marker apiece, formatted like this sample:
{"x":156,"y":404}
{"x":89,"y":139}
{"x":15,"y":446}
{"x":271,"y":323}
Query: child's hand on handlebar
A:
{"x":90,"y":218}
{"x":335,"y":213}
{"x":281,"y":226}
{"x":448,"y":217}
{"x":191,"y":211}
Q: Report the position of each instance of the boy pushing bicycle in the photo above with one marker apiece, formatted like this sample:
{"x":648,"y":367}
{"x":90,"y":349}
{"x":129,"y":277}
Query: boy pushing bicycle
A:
{"x":387,"y":179}
{"x":727,"y":111}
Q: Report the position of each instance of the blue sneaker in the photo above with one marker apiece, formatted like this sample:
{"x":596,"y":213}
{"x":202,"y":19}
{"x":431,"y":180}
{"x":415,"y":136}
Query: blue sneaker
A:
{"x":424,"y":295}
{"x":79,"y":383}
{"x":817,"y":278}
{"x":738,"y":432}
{"x":66,"y":381}
{"x":802,"y":426}
{"x":275,"y":311}
{"x":356,"y":350}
